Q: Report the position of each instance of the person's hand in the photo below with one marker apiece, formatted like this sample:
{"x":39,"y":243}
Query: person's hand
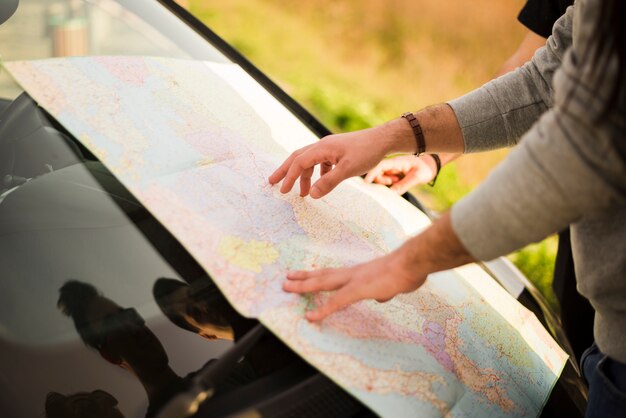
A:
{"x":340,"y":157}
{"x":405,"y":269}
{"x":403,"y":172}
{"x":379,"y":279}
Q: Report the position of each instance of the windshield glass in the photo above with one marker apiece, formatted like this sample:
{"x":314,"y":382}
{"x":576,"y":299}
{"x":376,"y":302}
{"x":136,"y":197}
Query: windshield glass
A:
{"x":101,"y":308}
{"x":100,"y":304}
{"x":59,"y":28}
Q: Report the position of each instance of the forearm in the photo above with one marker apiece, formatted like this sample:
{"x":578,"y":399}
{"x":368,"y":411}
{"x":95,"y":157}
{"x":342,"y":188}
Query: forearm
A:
{"x":437,"y":248}
{"x":523,"y":54}
{"x":442,"y":133}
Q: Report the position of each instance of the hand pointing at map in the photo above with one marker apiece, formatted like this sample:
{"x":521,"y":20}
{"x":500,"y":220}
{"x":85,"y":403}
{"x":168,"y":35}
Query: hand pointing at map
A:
{"x":380,"y":279}
{"x":342,"y":156}
{"x":401,"y":271}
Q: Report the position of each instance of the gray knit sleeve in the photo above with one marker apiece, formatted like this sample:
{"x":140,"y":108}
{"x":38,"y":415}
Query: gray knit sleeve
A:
{"x":570,"y":165}
{"x":497,"y":114}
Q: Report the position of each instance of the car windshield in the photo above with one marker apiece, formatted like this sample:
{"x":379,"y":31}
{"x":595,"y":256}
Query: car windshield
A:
{"x":101,"y":307}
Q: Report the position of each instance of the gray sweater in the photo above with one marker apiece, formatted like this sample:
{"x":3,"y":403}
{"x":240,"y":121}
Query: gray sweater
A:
{"x":568,"y":169}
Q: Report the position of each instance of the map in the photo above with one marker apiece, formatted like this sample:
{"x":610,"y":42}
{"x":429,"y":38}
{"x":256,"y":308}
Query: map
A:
{"x":195,"y":142}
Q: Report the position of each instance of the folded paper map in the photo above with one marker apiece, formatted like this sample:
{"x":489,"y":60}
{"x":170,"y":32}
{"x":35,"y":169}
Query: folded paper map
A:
{"x":195,"y":142}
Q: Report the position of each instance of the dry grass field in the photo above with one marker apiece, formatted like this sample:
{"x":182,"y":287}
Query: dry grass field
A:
{"x":358,"y":63}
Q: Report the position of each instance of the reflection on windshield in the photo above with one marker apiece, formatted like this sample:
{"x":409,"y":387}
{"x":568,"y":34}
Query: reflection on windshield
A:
{"x":59,"y":28}
{"x":201,"y":308}
{"x":203,"y":311}
{"x":96,"y":404}
{"x":122,"y":338}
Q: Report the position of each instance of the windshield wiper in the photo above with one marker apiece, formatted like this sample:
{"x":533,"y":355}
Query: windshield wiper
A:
{"x":204,"y":384}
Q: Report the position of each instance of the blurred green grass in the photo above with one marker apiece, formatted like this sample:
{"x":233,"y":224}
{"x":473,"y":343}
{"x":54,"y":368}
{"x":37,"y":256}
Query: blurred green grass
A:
{"x":357,"y":64}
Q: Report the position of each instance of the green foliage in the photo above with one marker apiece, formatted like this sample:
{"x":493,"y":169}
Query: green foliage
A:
{"x":244,"y":47}
{"x":448,"y":189}
{"x":340,"y":112}
{"x":536,"y":261}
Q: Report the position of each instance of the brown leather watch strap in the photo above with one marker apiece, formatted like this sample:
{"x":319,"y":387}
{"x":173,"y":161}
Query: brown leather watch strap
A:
{"x":417,"y":131}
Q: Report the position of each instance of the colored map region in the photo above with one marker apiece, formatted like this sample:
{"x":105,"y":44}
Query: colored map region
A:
{"x":195,"y":142}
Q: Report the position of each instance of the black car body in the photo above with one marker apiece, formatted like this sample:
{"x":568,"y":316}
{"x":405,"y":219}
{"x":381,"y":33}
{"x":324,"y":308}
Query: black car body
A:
{"x":100,"y":303}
